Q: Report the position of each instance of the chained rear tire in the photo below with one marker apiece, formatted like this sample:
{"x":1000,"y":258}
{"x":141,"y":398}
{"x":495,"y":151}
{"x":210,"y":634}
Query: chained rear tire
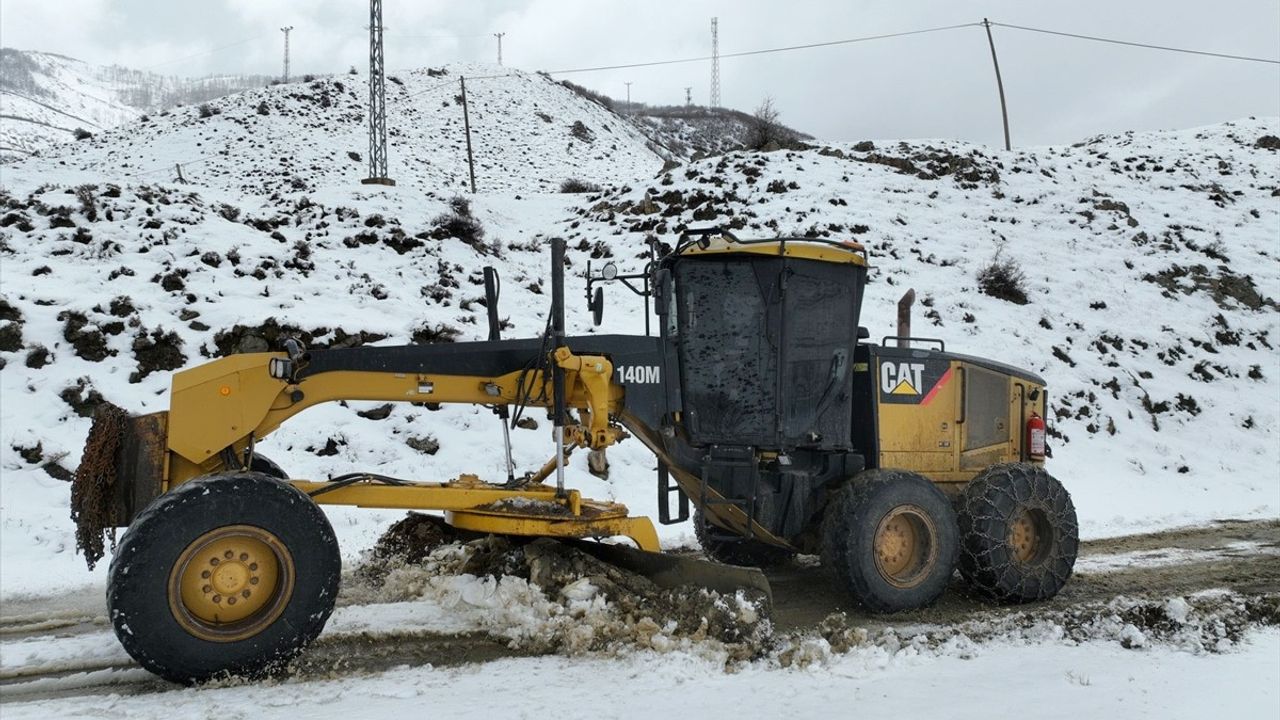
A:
{"x":1018,"y":533}
{"x":744,"y":553}
{"x":890,"y":537}
{"x":229,"y":574}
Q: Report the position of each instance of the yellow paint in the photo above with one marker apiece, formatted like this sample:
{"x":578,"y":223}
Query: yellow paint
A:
{"x":847,"y":252}
{"x":928,"y":439}
{"x":904,"y":387}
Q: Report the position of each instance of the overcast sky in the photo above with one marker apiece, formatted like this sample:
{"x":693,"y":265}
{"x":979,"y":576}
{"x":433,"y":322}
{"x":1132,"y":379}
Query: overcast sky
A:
{"x":1060,"y":90}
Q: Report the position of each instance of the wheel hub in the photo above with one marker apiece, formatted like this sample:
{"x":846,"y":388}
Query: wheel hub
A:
{"x":1029,"y":535}
{"x":230,"y":583}
{"x":904,"y":547}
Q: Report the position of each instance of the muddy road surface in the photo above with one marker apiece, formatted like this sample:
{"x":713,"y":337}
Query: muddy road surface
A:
{"x":63,"y":646}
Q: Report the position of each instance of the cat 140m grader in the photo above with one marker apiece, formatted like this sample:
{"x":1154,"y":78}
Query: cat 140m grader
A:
{"x":766,"y":407}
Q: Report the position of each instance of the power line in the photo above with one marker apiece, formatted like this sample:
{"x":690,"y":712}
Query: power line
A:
{"x":1138,"y":44}
{"x":764,"y":52}
{"x":206,"y":52}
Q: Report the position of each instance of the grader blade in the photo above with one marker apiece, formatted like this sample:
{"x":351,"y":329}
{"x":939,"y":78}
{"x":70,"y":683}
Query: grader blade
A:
{"x":669,"y":571}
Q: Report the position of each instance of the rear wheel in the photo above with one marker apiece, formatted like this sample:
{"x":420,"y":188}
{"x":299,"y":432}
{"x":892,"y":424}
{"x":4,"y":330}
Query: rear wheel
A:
{"x":744,"y":552}
{"x":890,"y":538}
{"x":1018,"y":533}
{"x":230,"y":574}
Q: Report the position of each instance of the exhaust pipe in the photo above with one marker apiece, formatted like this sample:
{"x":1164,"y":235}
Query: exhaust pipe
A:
{"x":904,"y":318}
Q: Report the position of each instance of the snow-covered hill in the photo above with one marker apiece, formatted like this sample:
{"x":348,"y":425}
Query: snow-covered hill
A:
{"x":695,"y":132}
{"x":1150,"y":260}
{"x":47,"y":97}
{"x":528,"y":134}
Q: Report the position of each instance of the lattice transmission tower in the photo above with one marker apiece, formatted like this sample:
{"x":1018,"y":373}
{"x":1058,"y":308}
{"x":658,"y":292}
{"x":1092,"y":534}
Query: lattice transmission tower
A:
{"x":377,"y":101}
{"x":286,"y":30}
{"x":715,"y":62}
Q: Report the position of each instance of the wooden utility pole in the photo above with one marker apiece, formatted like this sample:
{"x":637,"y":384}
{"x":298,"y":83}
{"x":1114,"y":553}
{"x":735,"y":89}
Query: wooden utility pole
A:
{"x":466,"y":124}
{"x":1004,"y":111}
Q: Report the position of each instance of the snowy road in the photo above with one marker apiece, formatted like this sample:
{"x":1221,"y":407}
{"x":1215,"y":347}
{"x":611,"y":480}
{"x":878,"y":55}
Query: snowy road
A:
{"x":60,"y":650}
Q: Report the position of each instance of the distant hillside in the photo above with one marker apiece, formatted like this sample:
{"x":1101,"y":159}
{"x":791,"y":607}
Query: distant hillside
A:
{"x":688,"y":131}
{"x":47,"y":97}
{"x":528,"y":134}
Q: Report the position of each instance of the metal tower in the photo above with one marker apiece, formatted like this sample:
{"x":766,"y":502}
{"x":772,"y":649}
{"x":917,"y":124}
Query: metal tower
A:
{"x":377,"y":101}
{"x":499,"y":36}
{"x":715,"y":62}
{"x":688,"y":97}
{"x":286,"y":30}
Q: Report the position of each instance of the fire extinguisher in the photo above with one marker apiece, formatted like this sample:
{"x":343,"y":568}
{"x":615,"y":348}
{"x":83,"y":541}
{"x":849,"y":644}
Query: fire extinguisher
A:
{"x":1035,"y":437}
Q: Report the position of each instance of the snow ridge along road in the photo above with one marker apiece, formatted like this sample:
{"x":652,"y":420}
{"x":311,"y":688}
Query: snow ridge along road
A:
{"x":1201,"y":590}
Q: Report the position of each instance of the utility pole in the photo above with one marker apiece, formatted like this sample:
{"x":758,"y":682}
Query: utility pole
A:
{"x":286,"y":30}
{"x":499,"y":36}
{"x":466,"y":124}
{"x":715,"y":62}
{"x":1004,"y":110}
{"x":377,"y":101}
{"x":628,"y":97}
{"x":688,"y":96}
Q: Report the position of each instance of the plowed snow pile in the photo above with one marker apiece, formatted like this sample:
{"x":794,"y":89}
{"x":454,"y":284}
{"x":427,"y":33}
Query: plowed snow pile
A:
{"x":546,"y":597}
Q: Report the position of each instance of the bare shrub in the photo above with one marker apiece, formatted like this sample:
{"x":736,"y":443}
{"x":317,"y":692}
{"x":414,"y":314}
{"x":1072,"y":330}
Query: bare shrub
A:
{"x":574,"y":185}
{"x":1003,"y":278}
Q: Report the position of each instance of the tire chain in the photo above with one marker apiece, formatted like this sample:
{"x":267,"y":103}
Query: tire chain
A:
{"x":91,"y":509}
{"x":979,"y":510}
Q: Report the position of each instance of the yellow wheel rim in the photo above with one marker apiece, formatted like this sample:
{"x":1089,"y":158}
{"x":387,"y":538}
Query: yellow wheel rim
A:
{"x":904,"y":547}
{"x":231,"y":583}
{"x":1029,"y":536}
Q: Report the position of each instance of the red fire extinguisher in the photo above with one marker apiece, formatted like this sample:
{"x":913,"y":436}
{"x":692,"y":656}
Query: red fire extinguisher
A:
{"x":1035,"y":437}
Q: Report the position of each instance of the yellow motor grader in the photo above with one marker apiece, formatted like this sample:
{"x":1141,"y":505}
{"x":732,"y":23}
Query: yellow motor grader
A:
{"x":766,"y":406}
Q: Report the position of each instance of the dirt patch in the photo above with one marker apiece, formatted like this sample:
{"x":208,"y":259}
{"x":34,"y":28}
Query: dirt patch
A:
{"x":155,"y":352}
{"x":1222,"y":284}
{"x":88,"y":340}
{"x":271,"y":335}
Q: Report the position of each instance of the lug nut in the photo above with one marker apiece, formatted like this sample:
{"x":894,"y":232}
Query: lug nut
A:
{"x":207,"y":589}
{"x":231,"y":600}
{"x":217,"y":598}
{"x":205,"y":575}
{"x":252,"y":581}
{"x":244,"y":557}
{"x":245,"y":594}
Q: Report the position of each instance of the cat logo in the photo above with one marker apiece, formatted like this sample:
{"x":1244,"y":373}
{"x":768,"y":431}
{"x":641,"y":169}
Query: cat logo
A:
{"x":901,"y":378}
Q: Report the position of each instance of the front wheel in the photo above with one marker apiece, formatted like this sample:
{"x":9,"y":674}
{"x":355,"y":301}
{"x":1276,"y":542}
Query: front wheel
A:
{"x":1018,"y":533}
{"x":229,"y":574}
{"x":890,"y":537}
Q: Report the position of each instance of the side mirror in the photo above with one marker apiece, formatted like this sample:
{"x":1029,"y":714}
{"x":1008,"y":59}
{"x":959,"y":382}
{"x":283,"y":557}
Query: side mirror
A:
{"x":609,"y":271}
{"x":863,"y":332}
{"x":597,"y":306}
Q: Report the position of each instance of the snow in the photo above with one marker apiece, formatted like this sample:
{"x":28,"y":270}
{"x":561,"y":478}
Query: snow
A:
{"x":1186,"y":381}
{"x":1151,"y":272}
{"x":1095,"y":679}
